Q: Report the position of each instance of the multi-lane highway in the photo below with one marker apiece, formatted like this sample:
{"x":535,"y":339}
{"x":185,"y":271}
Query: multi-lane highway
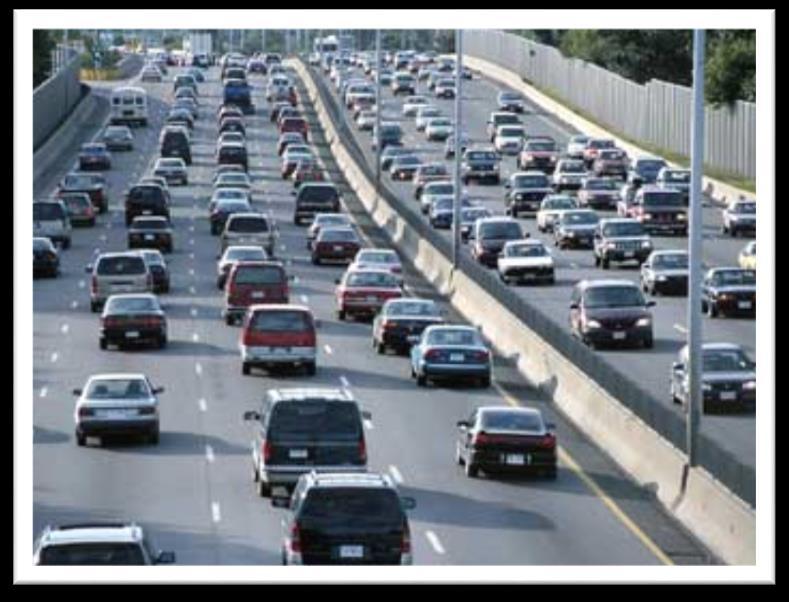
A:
{"x":648,"y":367}
{"x":193,"y":491}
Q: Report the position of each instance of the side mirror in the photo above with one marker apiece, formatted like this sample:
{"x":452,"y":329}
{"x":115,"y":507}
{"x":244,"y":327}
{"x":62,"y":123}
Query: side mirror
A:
{"x":463,"y":424}
{"x":76,"y":392}
{"x":550,"y":426}
{"x":677,"y":366}
{"x":650,"y":303}
{"x":251,"y":415}
{"x":574,"y":306}
{"x":165,"y":558}
{"x":88,"y":269}
{"x":367,"y":415}
{"x":407,"y":503}
{"x":158,"y":390}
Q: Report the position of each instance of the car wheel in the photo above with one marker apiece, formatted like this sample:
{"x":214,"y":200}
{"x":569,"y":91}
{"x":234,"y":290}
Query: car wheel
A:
{"x":81,"y":438}
{"x":162,"y":342}
{"x":311,"y":369}
{"x":458,"y":456}
{"x":263,"y":489}
{"x":102,"y":343}
{"x":712,"y":310}
{"x":229,"y":320}
{"x":421,"y":380}
{"x":341,"y":314}
{"x":551,"y":473}
{"x":153,"y":437}
{"x":315,"y":260}
{"x":472,"y":470}
{"x":596,"y":261}
{"x":94,"y":306}
{"x":649,"y":342}
{"x":605,"y":263}
{"x":67,"y":243}
{"x":255,"y":474}
{"x":484,"y":382}
{"x":92,"y":222}
{"x":245,"y":368}
{"x":380,"y":348}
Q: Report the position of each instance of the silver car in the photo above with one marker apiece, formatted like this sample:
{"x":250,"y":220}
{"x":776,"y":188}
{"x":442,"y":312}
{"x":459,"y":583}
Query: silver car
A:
{"x":116,"y":404}
{"x":172,"y":169}
{"x":118,"y":138}
{"x":250,"y":229}
{"x":50,"y":220}
{"x":115,"y":273}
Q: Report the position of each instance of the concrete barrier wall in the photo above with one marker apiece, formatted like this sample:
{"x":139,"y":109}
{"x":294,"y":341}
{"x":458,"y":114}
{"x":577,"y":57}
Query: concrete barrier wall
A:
{"x":54,"y":99}
{"x":707,"y":508}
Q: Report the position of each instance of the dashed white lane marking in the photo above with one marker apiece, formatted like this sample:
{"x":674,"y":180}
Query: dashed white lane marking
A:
{"x":64,"y":329}
{"x":195,"y":337}
{"x":215,"y":514}
{"x":198,"y":368}
{"x":396,"y":474}
{"x":295,"y":280}
{"x":81,"y":284}
{"x":193,"y":290}
{"x":191,"y":256}
{"x":191,"y":228}
{"x":345,"y":382}
{"x":43,"y":392}
{"x":96,"y":251}
{"x":680,"y":328}
{"x":368,"y":424}
{"x":327,"y":349}
{"x":74,"y":304}
{"x":193,"y":312}
{"x":191,"y":271}
{"x":107,"y":225}
{"x":283,"y":248}
{"x":191,"y":241}
{"x":54,"y":357}
{"x":203,"y":405}
{"x":304,"y":299}
{"x":209,"y":453}
{"x":574,"y":265}
{"x":435,"y":542}
{"x":103,"y":238}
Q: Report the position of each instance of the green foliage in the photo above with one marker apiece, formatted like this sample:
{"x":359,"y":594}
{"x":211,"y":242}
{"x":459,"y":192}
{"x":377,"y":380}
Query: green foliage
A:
{"x":43,"y":44}
{"x":118,"y":39}
{"x":730,"y":69}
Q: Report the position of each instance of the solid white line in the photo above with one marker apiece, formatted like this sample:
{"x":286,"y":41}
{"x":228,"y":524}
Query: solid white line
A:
{"x":64,"y":329}
{"x":43,"y":392}
{"x":209,"y":453}
{"x":396,"y":474}
{"x":368,"y":424}
{"x":198,"y":368}
{"x":345,"y":382}
{"x":54,"y":357}
{"x":433,"y":539}
{"x":680,"y":328}
{"x":327,"y":349}
{"x":203,"y":405}
{"x":215,"y":512}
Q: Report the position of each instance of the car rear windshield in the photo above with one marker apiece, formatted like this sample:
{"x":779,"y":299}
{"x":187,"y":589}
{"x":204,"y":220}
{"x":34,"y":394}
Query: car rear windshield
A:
{"x":481,"y":156}
{"x":624,"y":229}
{"x":408,"y":160}
{"x":122,"y":265}
{"x":601,"y":185}
{"x":146,"y":193}
{"x":506,"y":118}
{"x":536,"y":181}
{"x":613,"y":296}
{"x":378,"y":257}
{"x":152,"y":257}
{"x":259,"y":275}
{"x":338,"y":235}
{"x":511,"y":132}
{"x":92,"y":554}
{"x":76,"y":201}
{"x":236,"y":179}
{"x":281,"y":320}
{"x":574,"y":167}
{"x":453,"y":337}
{"x":677,"y":176}
{"x":439,"y":189}
{"x":677,"y":261}
{"x":47,"y":212}
{"x":729,"y":360}
{"x":79,"y":182}
{"x":311,"y":419}
{"x":133,"y":388}
{"x":510,"y":96}
{"x":735,"y":278}
{"x":131,"y":305}
{"x":391,"y":130}
{"x":433,"y":170}
{"x":560,"y":203}
{"x":150,"y":224}
{"x":601,"y":144}
{"x":352,"y":506}
{"x":440,"y":122}
{"x":249,"y":224}
{"x":649,"y":166}
{"x":511,"y":421}
{"x":612,"y":155}
{"x":374,"y":279}
{"x":412,"y":308}
{"x":663,"y":199}
{"x":505,"y":230}
{"x":236,"y":254}
{"x":318,"y":194}
{"x":527,"y":251}
{"x":232,"y":153}
{"x":474,"y":214}
{"x":171,"y":163}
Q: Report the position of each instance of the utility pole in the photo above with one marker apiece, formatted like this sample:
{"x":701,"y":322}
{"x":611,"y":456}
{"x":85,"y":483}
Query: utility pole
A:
{"x":456,"y":213}
{"x":378,"y":110}
{"x":694,"y":241}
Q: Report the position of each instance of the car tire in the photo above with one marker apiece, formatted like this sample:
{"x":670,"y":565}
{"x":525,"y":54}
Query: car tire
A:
{"x":341,"y":315}
{"x":605,"y":263}
{"x":458,"y":456}
{"x":67,"y":243}
{"x":229,"y":320}
{"x":311,"y":369}
{"x":92,"y":222}
{"x":263,"y":489}
{"x":380,"y":348}
{"x":712,"y":310}
{"x":484,"y":382}
{"x":255,"y":474}
{"x":551,"y":473}
{"x":153,"y":437}
{"x":421,"y":380}
{"x":162,"y":342}
{"x":315,"y":260}
{"x":596,"y":261}
{"x":80,"y":437}
{"x":245,"y":368}
{"x":94,"y":306}
{"x":102,"y":343}
{"x":472,"y":470}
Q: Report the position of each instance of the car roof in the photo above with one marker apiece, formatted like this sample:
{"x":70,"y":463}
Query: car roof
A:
{"x":279,"y":307}
{"x":361,"y":480}
{"x":117,"y":376}
{"x":497,"y":218}
{"x":303,"y":393}
{"x":93,"y":532}
{"x":111,"y":254}
{"x":531,"y":172}
{"x":452,"y":327}
{"x":510,"y":410}
{"x":602,"y":283}
{"x":531,"y":242}
{"x":618,"y":220}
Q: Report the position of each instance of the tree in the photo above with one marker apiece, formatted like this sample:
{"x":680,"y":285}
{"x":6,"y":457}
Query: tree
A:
{"x":730,"y":67}
{"x":43,"y":44}
{"x":118,"y":39}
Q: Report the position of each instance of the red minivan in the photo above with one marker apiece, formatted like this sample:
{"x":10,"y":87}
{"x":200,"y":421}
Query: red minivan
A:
{"x":278,"y":335}
{"x":253,"y":282}
{"x":294,"y":124}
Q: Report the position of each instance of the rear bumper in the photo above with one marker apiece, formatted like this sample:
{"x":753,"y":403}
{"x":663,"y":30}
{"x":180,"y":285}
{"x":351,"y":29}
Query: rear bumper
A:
{"x":673,"y":227}
{"x":289,"y":475}
{"x":540,"y":274}
{"x":118,"y":335}
{"x":494,"y":461}
{"x":633,"y":336}
{"x":456,"y":370}
{"x":617,"y":256}
{"x":102,"y":426}
{"x":267,"y":356}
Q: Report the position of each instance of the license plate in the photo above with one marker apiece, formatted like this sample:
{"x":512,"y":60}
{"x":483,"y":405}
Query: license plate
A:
{"x":147,"y":212}
{"x":628,"y":254}
{"x":122,"y":288}
{"x":728,"y":395}
{"x":133,"y":334}
{"x":149,"y":237}
{"x":456,"y":357}
{"x":113,"y":413}
{"x":298,"y":454}
{"x":514,"y":459}
{"x":744,"y":304}
{"x":618,"y":336}
{"x":258,"y":295}
{"x":412,"y":338}
{"x":351,"y":551}
{"x":372,"y":299}
{"x":338,"y":248}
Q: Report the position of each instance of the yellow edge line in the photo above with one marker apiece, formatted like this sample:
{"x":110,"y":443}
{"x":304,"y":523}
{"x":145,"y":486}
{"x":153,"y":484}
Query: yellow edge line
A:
{"x":567,"y":459}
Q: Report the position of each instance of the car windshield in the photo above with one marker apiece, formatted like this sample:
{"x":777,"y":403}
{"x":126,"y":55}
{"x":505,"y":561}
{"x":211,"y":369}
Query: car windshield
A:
{"x":745,"y":208}
{"x":560,"y":203}
{"x":247,"y":274}
{"x":238,"y":254}
{"x":232,"y":152}
{"x":433,"y":170}
{"x":612,"y":155}
{"x":728,"y":360}
{"x":149,"y":224}
{"x":429,"y":112}
{"x":123,"y":265}
{"x":677,"y":176}
{"x":574,"y":167}
{"x":236,"y":179}
{"x":377,"y":257}
{"x":373,"y":279}
{"x":330,"y":220}
{"x":511,"y":132}
{"x":578,"y":218}
{"x":170,"y":163}
{"x":541,"y":147}
{"x":391,"y":130}
{"x":352,"y":506}
{"x":318,"y":193}
{"x":601,"y":144}
{"x":439,"y":122}
{"x":439,"y":189}
{"x":579,"y":140}
{"x":505,"y":230}
{"x":117,"y":132}
{"x":394,"y":151}
{"x":511,"y":421}
{"x":454,"y":337}
{"x":249,"y":224}
{"x":93,"y":553}
{"x":79,"y":181}
{"x":735,"y":278}
{"x":662,"y":199}
{"x":601,"y":185}
{"x":535,"y":181}
{"x":93,"y":148}
{"x":280,"y":321}
{"x":624,"y":229}
{"x":643,"y":167}
{"x":408,"y":160}
{"x":135,"y":388}
{"x":412,"y":308}
{"x":678,"y":261}
{"x":527,"y":251}
{"x":315,"y":420}
{"x":41,"y":244}
{"x":131,"y":304}
{"x":47,"y":212}
{"x":613,"y":296}
{"x":481,"y":156}
{"x":338,"y":235}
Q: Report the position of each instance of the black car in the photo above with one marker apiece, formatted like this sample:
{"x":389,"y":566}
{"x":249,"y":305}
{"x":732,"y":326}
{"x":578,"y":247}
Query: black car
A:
{"x":154,"y":231}
{"x":391,"y":135}
{"x":180,"y":117}
{"x":481,"y":165}
{"x":157,"y":266}
{"x":233,"y":152}
{"x":729,"y":291}
{"x":174,"y":142}
{"x":313,"y":198}
{"x":222,"y":210}
{"x":490,"y":236}
{"x":133,"y":319}
{"x":404,"y":167}
{"x":232,"y":124}
{"x":300,"y":430}
{"x":94,"y":155}
{"x":620,"y":240}
{"x":400,"y":323}
{"x":525,"y":191}
{"x":148,"y":200}
{"x":46,"y":260}
{"x":346,"y":518}
{"x":390,"y":153}
{"x":498,"y":439}
{"x":575,"y":228}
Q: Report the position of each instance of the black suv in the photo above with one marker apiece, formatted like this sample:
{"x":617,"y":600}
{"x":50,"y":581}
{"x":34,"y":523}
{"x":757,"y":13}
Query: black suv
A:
{"x":175,"y":143}
{"x":345,"y":518}
{"x":147,"y":199}
{"x":620,"y":240}
{"x":233,"y":153}
{"x":300,"y":430}
{"x":314,"y":198}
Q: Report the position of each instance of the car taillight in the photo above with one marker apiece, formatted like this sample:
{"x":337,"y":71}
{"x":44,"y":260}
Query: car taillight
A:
{"x":396,"y":269}
{"x":479,"y":356}
{"x":362,"y":450}
{"x":405,"y":543}
{"x":94,"y":285}
{"x":266,"y":451}
{"x":481,"y":438}
{"x":548,"y":441}
{"x":433,"y":354}
{"x":295,"y":538}
{"x":85,"y":412}
{"x":147,"y":411}
{"x":386,"y":325}
{"x":152,"y":322}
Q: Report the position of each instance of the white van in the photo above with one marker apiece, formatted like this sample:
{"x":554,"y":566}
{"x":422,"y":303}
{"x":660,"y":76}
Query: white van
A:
{"x":129,"y":105}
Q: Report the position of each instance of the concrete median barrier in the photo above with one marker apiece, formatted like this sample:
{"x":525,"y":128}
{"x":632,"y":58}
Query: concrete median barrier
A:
{"x":705,"y":507}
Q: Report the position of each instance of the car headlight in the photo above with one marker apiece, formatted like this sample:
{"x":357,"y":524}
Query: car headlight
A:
{"x":682,"y":217}
{"x":609,"y":245}
{"x":644,"y":322}
{"x":592,"y":324}
{"x":749,"y":385}
{"x":569,"y":233}
{"x":661,"y":278}
{"x":645,"y":244}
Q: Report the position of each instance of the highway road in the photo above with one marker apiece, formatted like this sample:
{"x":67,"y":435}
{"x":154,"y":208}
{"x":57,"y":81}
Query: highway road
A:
{"x":648,"y":367}
{"x":193,"y":492}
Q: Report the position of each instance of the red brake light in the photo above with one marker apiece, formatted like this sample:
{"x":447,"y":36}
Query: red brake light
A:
{"x":362,"y":450}
{"x":386,"y":325}
{"x":481,"y":438}
{"x":295,"y":538}
{"x":405,"y":544}
{"x":266,"y":451}
{"x":548,"y":441}
{"x":433,"y":354}
{"x":479,"y":355}
{"x":85,"y":412}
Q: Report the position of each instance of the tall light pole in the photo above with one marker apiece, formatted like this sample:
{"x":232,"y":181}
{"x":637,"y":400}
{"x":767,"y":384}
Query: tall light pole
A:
{"x":378,"y":110}
{"x":694,"y":242}
{"x":458,"y":94}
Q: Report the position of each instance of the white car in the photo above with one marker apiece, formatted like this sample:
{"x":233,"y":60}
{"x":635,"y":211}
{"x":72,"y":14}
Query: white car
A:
{"x":439,"y":128}
{"x":412,"y":104}
{"x":509,"y":139}
{"x":740,"y":216}
{"x":433,"y":190}
{"x":551,"y":209}
{"x":366,"y":120}
{"x":569,"y":174}
{"x":230,"y":137}
{"x":576,"y":146}
{"x":172,"y":169}
{"x":526,"y":259}
{"x":233,"y":179}
{"x":379,"y":259}
{"x":424,"y":114}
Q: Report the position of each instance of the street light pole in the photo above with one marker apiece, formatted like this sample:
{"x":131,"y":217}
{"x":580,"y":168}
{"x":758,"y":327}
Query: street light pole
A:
{"x":378,"y":110}
{"x":694,"y":242}
{"x":458,"y":94}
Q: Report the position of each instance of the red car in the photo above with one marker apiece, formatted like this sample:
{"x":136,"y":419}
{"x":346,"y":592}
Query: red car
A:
{"x":90,"y":183}
{"x":335,"y":244}
{"x":253,"y":282}
{"x":294,"y":124}
{"x":593,"y":148}
{"x":363,"y":292}
{"x":275,"y":336}
{"x":307,"y":171}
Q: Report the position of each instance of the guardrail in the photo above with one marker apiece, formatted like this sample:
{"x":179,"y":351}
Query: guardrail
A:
{"x":722,"y":464}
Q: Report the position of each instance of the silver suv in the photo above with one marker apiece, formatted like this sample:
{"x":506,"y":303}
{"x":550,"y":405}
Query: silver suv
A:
{"x":250,"y":229}
{"x":50,"y":220}
{"x":115,"y":273}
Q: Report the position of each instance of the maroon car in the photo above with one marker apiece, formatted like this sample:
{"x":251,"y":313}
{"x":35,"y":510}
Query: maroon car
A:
{"x":91,"y":183}
{"x":335,"y":244}
{"x":294,"y":124}
{"x":252,"y":283}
